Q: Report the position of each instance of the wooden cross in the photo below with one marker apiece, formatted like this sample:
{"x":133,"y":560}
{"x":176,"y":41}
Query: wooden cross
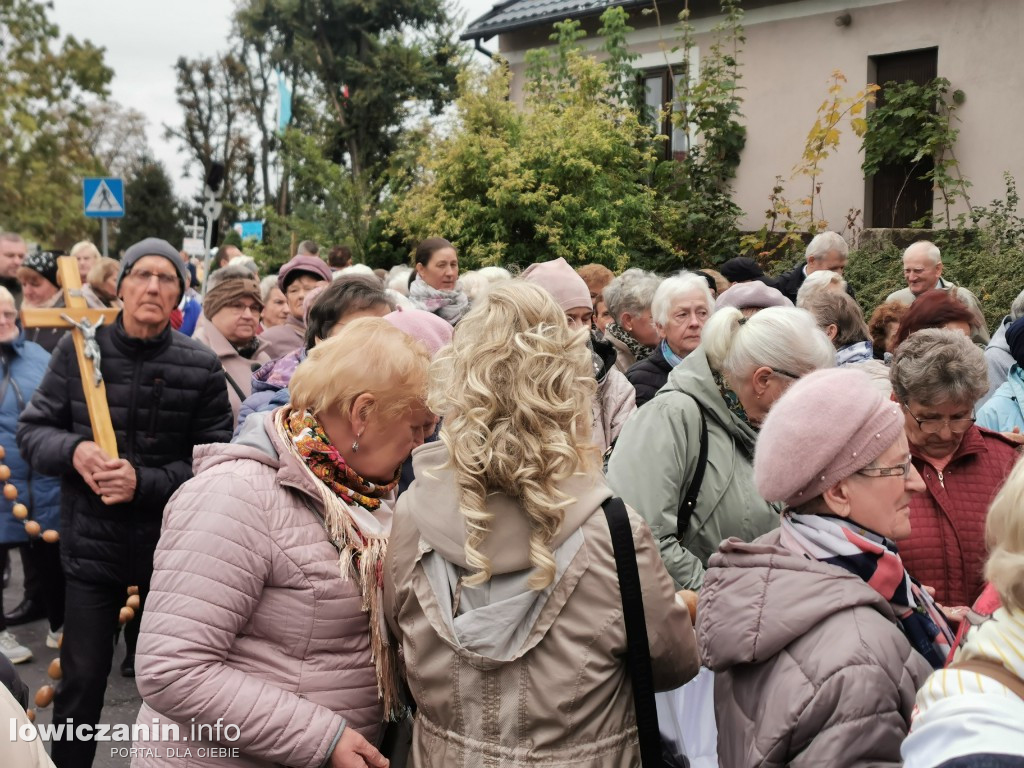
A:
{"x":76,"y":309}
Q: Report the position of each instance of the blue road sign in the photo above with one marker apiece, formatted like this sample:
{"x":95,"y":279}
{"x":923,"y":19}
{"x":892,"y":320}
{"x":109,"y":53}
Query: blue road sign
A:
{"x":249,"y":230}
{"x":103,"y":198}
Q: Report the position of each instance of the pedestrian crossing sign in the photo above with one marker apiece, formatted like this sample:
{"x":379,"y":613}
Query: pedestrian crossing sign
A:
{"x":103,"y":198}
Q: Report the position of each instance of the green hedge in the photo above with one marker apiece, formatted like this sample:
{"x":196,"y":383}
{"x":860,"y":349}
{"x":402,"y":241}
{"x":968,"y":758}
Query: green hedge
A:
{"x":976,"y":259}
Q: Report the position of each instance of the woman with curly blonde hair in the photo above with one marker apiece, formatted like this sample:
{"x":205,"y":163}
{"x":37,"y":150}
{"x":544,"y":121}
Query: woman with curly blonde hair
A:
{"x":500,"y":581}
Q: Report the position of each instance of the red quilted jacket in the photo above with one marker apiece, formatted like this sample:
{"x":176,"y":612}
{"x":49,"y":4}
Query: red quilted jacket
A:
{"x":946,"y":548}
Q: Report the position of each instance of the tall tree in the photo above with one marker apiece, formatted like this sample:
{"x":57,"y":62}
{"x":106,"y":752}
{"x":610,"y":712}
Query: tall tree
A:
{"x":374,"y":62}
{"x":213,"y":126}
{"x":46,"y":82}
{"x":116,"y":137}
{"x":151,"y":209}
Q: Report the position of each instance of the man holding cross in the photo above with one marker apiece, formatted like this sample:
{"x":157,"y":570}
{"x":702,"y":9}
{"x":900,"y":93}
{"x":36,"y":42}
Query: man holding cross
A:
{"x":166,"y":394}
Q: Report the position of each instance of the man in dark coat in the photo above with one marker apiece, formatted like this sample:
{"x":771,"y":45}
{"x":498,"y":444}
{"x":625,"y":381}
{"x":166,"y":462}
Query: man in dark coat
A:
{"x":827,"y":250}
{"x":167,"y":394}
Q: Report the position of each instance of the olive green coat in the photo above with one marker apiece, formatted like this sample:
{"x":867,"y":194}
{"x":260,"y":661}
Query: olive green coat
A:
{"x":655,"y":459}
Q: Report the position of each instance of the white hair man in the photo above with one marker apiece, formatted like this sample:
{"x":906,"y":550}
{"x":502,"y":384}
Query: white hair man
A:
{"x":826,"y":251}
{"x":922,"y":269}
{"x":997,"y":353}
{"x":12,"y":252}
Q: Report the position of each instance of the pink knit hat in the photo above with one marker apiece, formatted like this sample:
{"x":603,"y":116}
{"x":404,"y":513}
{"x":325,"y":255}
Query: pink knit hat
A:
{"x":426,"y":327}
{"x":826,"y":427}
{"x":752,"y":295}
{"x":561,"y":281}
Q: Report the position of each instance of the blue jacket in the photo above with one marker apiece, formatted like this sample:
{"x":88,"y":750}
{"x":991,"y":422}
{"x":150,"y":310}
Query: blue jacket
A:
{"x":1004,"y":410}
{"x":23,"y":364}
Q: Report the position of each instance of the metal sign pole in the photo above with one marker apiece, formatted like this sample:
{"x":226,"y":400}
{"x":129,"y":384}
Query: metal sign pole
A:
{"x":103,"y":226}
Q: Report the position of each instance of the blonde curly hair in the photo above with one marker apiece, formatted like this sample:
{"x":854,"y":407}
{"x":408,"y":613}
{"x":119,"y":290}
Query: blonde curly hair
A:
{"x":514,"y":390}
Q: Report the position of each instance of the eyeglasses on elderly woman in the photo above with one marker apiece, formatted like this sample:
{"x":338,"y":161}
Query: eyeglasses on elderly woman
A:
{"x":934,"y":426}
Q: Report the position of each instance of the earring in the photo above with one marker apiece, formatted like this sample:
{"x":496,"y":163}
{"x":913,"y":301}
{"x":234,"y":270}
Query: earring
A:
{"x":355,"y":446}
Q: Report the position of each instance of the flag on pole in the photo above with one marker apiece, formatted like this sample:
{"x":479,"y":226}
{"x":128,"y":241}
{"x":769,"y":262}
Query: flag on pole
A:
{"x":284,"y":102}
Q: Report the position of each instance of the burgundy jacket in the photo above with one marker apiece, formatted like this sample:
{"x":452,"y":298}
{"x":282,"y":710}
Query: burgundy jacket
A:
{"x":946,"y":548}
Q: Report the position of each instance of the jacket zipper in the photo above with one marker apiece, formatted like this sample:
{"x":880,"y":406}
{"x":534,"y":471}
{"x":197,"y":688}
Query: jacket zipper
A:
{"x":132,"y":404}
{"x":154,"y":405}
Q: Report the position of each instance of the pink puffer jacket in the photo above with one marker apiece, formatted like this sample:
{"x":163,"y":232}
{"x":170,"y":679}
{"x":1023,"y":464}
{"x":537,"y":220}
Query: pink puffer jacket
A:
{"x":248,"y":620}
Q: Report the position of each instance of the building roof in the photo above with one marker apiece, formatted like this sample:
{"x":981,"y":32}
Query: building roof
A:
{"x":516,"y":14}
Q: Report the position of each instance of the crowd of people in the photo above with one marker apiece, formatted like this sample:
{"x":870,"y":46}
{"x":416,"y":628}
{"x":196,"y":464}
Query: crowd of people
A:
{"x":371,"y":517}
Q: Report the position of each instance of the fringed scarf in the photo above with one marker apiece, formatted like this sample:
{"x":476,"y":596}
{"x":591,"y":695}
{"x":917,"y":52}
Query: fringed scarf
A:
{"x":448,"y":305}
{"x":876,"y":560}
{"x":638,"y":350}
{"x":359,"y":535}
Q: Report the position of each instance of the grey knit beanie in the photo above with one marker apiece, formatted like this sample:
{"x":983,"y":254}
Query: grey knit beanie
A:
{"x":153,"y":246}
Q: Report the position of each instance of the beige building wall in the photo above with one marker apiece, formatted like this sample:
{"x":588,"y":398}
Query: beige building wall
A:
{"x":790,"y":53}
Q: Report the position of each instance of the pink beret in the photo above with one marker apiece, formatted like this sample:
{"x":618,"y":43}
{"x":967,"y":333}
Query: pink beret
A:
{"x":752,"y":295}
{"x":561,"y":281}
{"x":426,"y":327}
{"x":826,"y":427}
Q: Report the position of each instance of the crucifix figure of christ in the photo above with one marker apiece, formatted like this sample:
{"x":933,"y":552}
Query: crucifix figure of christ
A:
{"x":83,"y":322}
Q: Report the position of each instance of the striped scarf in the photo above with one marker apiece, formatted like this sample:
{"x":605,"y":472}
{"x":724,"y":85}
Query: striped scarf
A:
{"x":358,"y":526}
{"x":876,"y":560}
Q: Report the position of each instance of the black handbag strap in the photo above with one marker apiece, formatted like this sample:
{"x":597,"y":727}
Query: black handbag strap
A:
{"x":689,"y":503}
{"x":234,"y":385}
{"x":638,"y":652}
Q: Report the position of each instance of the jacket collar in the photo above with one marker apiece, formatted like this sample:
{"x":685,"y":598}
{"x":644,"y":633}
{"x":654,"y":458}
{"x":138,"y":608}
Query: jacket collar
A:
{"x":133,"y":346}
{"x":973,"y":442}
{"x":218,"y":342}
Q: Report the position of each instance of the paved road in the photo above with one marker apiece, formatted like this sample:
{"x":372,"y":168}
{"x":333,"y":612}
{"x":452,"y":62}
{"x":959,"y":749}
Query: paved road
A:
{"x":122,"y":699}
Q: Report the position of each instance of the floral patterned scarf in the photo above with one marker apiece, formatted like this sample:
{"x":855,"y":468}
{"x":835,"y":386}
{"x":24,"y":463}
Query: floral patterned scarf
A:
{"x":876,"y":560}
{"x":732,"y":400}
{"x":358,"y":526}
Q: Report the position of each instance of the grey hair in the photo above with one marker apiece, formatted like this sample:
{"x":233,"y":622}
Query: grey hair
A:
{"x":6,"y":297}
{"x":783,"y":338}
{"x":267,"y":284}
{"x":245,"y":261}
{"x":824,"y":242}
{"x":494,"y":274}
{"x":928,"y":248}
{"x":934,"y":366}
{"x":676,"y":286}
{"x":632,"y":291}
{"x":398,"y":279}
{"x":231,"y":271}
{"x":1017,"y":307}
{"x":11,"y":237}
{"x":308,"y":247}
{"x":817,"y":282}
{"x":838,"y":309}
{"x":355,"y":269}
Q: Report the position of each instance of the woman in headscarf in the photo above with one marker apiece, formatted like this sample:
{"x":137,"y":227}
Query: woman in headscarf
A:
{"x":817,"y":635}
{"x":41,"y":289}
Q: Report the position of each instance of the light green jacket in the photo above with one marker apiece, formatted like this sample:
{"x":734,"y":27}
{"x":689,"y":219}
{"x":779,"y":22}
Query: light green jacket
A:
{"x":655,"y":459}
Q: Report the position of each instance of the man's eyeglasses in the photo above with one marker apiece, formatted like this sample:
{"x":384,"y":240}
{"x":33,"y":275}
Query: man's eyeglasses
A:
{"x":10,"y":317}
{"x":144,"y":276}
{"x":898,"y":471}
{"x":934,"y":426}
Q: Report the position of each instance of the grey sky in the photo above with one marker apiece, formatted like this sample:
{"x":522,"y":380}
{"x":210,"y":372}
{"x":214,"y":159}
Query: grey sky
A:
{"x":144,"y":38}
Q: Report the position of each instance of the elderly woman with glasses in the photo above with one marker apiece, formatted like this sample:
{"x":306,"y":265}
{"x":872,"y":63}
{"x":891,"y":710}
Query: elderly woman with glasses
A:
{"x":818,"y":636}
{"x":937,"y":376}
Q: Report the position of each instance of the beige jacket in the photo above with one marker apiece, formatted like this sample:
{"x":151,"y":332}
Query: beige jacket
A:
{"x":811,"y":668}
{"x":510,"y":676}
{"x":238,"y":368}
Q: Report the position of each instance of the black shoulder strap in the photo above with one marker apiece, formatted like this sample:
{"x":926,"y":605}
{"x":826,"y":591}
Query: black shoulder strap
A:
{"x":234,"y":386}
{"x":689,"y":503}
{"x":638,"y":652}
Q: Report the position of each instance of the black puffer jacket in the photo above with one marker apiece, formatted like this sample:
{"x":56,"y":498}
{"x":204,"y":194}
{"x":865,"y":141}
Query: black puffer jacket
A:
{"x":166,"y":395}
{"x":649,"y":375}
